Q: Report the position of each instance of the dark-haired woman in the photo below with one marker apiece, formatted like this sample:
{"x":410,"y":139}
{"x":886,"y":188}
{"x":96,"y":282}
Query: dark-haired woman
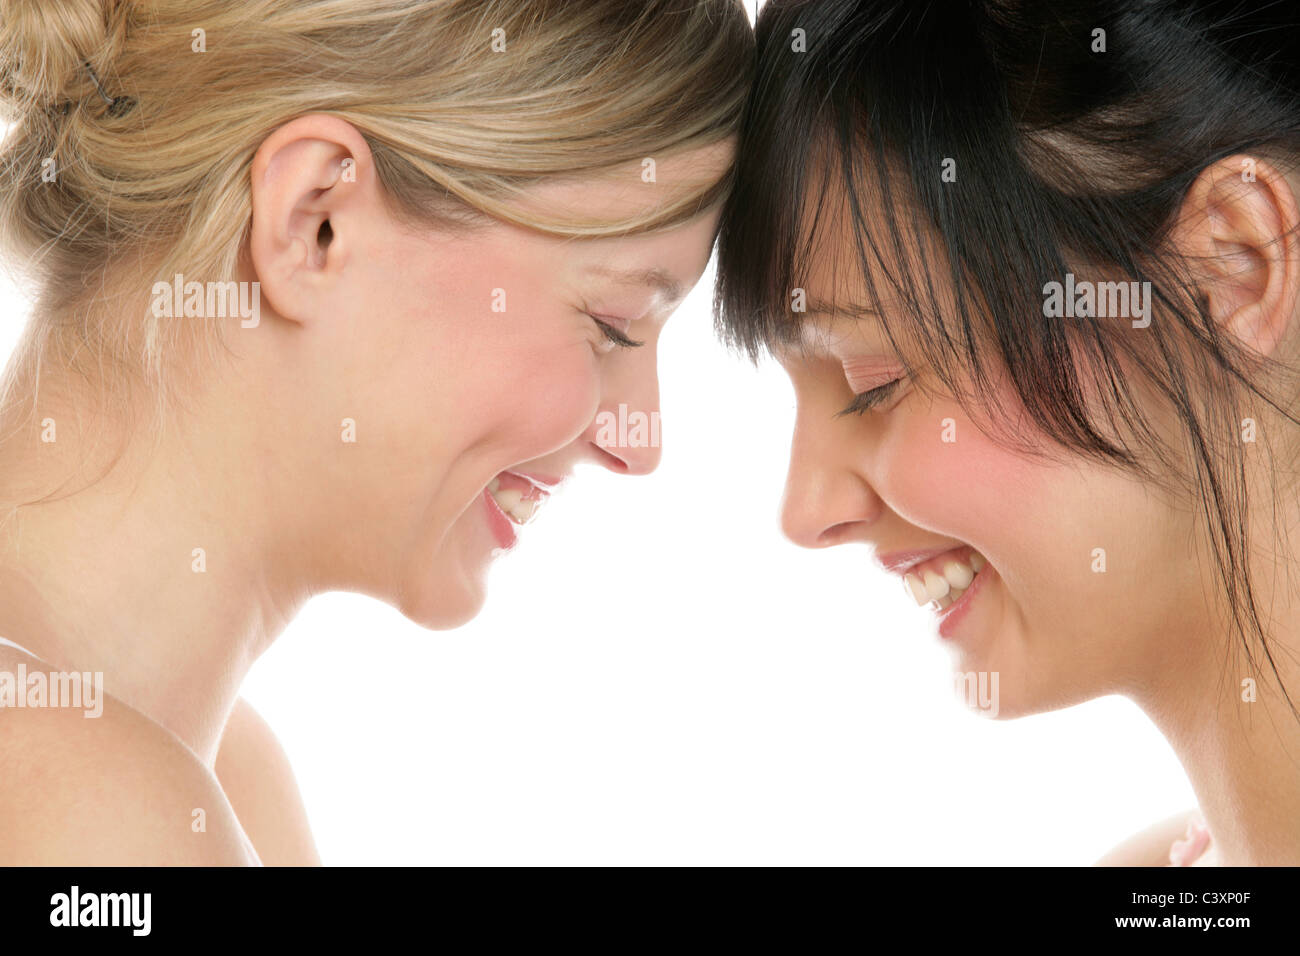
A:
{"x":1033,"y":270}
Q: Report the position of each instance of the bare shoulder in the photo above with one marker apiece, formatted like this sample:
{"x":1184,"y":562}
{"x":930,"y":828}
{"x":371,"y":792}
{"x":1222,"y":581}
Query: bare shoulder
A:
{"x":257,"y":778}
{"x":113,"y":789}
{"x":1150,"y":847}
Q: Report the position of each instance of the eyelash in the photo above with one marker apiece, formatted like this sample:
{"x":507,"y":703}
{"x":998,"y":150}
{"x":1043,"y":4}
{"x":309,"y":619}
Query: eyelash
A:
{"x":866,"y":401}
{"x":614,"y":335}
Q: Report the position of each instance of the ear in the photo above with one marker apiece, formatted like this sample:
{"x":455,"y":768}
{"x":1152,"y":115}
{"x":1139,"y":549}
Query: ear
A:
{"x":1237,"y":228}
{"x":308,"y":205}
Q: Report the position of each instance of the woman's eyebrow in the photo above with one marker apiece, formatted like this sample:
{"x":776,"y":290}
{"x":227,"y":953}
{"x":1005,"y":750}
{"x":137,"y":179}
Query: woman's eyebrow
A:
{"x":839,"y":324}
{"x":657,"y":279}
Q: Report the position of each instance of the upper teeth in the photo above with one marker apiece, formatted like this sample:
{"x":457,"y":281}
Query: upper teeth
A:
{"x":512,"y":501}
{"x":959,"y":575}
{"x":948,"y":587}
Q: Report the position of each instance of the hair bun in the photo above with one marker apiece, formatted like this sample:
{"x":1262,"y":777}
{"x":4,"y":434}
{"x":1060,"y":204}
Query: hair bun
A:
{"x":45,"y":47}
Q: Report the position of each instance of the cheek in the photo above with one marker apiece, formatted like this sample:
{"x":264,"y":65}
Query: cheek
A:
{"x":939,"y":472}
{"x":500,"y":364}
{"x":536,"y":402}
{"x":1039,"y":521}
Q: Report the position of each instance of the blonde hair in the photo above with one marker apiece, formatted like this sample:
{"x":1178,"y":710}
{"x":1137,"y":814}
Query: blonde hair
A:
{"x":463,"y":103}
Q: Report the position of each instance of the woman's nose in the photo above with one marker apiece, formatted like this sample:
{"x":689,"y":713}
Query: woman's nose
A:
{"x":827,"y":500}
{"x":629,"y":437}
{"x":627,"y":428}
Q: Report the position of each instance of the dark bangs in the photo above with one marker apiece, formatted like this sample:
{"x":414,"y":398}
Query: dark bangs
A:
{"x":984,"y":150}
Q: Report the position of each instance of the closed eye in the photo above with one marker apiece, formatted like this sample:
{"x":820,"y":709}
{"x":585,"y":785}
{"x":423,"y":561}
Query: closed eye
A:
{"x":614,"y":336}
{"x":866,"y":401}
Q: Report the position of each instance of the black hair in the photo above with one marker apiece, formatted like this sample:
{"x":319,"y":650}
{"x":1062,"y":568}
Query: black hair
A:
{"x":1021,"y":141}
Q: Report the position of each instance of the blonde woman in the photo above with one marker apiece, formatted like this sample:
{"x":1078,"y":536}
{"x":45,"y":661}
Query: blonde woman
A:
{"x":329,"y":295}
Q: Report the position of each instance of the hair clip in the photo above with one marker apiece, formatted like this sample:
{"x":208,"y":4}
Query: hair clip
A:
{"x":116,"y":105}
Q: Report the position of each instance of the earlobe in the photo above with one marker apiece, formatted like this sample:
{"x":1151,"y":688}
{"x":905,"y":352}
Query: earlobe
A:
{"x":307,"y":179}
{"x":1237,"y":228}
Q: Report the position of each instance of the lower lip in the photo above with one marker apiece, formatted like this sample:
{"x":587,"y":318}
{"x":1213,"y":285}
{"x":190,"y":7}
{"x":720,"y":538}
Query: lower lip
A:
{"x":503,"y":529}
{"x":951,"y":616}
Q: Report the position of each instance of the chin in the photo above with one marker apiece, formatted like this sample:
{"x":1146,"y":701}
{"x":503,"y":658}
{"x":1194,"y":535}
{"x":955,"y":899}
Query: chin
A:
{"x":444,"y":600}
{"x":446,"y":618}
{"x":997,"y":683}
{"x":1018,"y":692}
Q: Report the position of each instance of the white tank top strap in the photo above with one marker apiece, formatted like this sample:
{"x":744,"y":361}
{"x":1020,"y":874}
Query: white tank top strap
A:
{"x":18,"y":647}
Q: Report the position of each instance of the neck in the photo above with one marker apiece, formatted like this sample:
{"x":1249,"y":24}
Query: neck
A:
{"x":158,"y":573}
{"x":1242,"y":755}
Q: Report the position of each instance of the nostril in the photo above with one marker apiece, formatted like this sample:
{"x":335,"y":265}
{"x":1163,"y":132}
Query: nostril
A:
{"x":610,"y":461}
{"x":835,"y":533}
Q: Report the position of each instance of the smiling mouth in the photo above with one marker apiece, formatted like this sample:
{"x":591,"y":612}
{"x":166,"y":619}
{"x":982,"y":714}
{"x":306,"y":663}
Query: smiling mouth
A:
{"x":943,"y":580}
{"x":516,"y":496}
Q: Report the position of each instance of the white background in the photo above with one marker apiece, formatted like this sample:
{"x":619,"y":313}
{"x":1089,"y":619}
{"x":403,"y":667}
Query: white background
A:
{"x":660,"y":678}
